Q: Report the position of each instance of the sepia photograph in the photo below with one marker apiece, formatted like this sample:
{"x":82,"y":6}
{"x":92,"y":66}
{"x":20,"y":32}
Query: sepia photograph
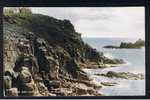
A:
{"x":74,"y":51}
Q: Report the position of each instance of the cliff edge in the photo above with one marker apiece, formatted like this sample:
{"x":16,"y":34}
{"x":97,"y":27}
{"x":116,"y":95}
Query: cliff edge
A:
{"x":44,"y":56}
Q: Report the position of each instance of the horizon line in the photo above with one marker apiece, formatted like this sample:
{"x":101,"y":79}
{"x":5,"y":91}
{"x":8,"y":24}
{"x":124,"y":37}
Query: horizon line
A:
{"x":112,"y":37}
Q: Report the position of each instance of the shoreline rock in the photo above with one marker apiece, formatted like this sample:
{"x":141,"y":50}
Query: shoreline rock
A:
{"x":109,"y":83}
{"x":123,"y":75}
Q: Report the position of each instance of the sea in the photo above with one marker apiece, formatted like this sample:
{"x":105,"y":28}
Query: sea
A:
{"x":135,"y":63}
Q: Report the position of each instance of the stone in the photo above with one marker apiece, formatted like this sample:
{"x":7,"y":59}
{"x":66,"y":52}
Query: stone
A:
{"x":81,"y":91}
{"x":54,"y":67}
{"x":12,"y":92}
{"x":28,"y":62}
{"x":50,"y":94}
{"x":30,"y":86}
{"x":80,"y":88}
{"x":40,"y":41}
{"x":7,"y":82}
{"x":54,"y":84}
{"x":72,"y":67}
{"x":29,"y":89}
{"x":25,"y":75}
{"x":10,"y":73}
{"x":108,"y":83}
{"x":82,"y":75}
{"x":90,"y":91}
{"x":42,"y":87}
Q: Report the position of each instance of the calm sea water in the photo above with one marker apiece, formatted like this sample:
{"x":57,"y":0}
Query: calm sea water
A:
{"x":135,"y":62}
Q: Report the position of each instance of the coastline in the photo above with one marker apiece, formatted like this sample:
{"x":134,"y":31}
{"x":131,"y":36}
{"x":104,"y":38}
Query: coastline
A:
{"x":48,"y":60}
{"x":113,"y":81}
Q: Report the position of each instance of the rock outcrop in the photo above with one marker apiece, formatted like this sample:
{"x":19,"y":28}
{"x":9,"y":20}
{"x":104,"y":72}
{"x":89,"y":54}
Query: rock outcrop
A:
{"x":124,"y":75}
{"x":42,"y":57}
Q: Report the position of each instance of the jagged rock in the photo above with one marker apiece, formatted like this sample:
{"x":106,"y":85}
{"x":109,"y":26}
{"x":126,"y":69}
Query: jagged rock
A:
{"x":40,"y":42}
{"x":26,"y":83}
{"x":24,"y":60}
{"x":30,"y":36}
{"x":72,"y":67}
{"x":42,"y":89}
{"x":54,"y":67}
{"x":58,"y":92}
{"x":25,"y":75}
{"x":56,"y":48}
{"x":48,"y":63}
{"x":82,"y":75}
{"x":28,"y":62}
{"x":113,"y":61}
{"x":41,"y":86}
{"x":29,"y":89}
{"x":37,"y":78}
{"x":7,"y":82}
{"x":10,"y":73}
{"x":90,"y":91}
{"x":12,"y":92}
{"x":54,"y":84}
{"x":43,"y":50}
{"x":81,"y":91}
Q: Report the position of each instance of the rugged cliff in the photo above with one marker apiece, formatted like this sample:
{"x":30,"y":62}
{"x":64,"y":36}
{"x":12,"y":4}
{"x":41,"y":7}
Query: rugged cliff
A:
{"x":43,"y":56}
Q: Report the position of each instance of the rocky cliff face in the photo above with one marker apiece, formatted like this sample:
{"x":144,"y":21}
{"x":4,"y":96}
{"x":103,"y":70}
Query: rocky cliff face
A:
{"x":43,"y":57}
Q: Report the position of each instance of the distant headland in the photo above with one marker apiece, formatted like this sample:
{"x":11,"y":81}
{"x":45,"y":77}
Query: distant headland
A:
{"x":138,"y":44}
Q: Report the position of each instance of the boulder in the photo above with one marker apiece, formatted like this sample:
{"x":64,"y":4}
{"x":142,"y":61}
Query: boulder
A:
{"x":82,"y":75}
{"x":42,"y":89}
{"x":29,"y":89}
{"x":25,"y":75}
{"x":7,"y":82}
{"x":81,"y":91}
{"x":91,"y":91}
{"x":12,"y":92}
{"x":54,"y":84}
{"x":79,"y":88}
{"x":112,"y":61}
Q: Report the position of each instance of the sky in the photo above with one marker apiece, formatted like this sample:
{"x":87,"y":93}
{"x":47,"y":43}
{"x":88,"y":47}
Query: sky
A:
{"x":126,"y":22}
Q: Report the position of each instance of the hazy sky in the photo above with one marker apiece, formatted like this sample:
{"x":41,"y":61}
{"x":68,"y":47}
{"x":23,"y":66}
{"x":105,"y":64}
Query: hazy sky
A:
{"x":101,"y":21}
